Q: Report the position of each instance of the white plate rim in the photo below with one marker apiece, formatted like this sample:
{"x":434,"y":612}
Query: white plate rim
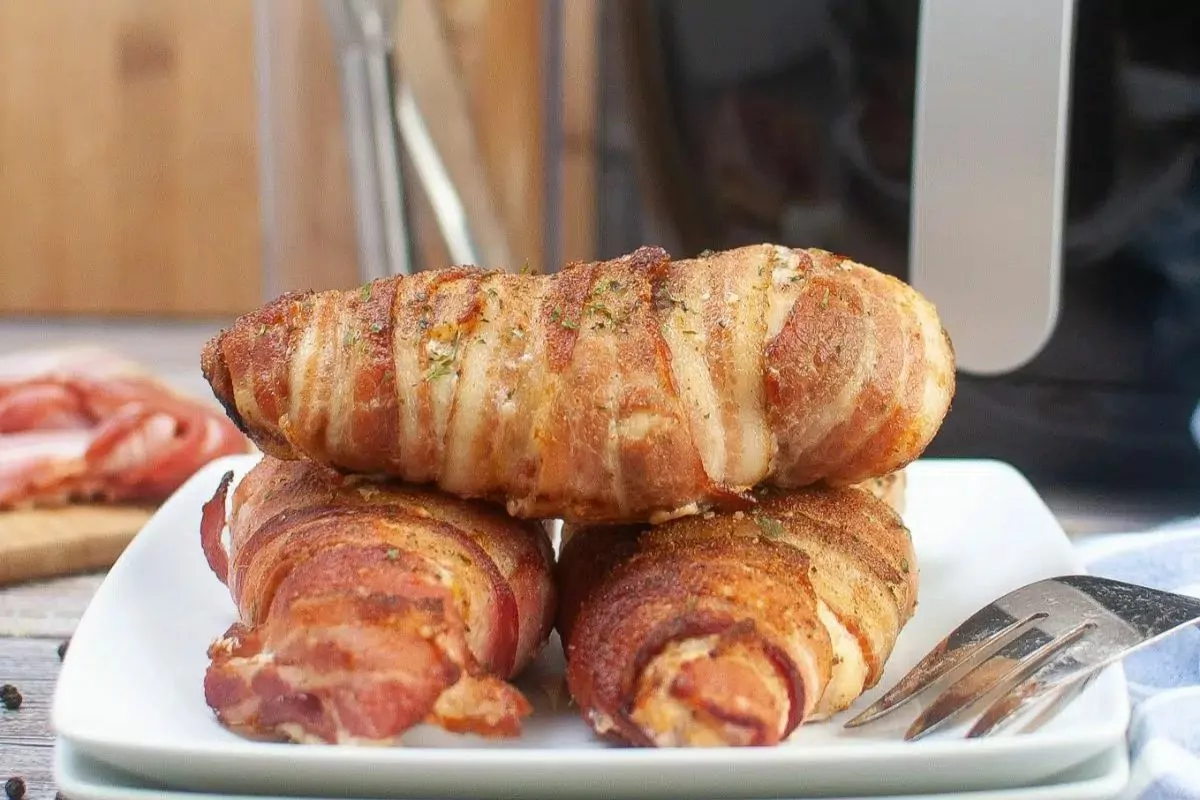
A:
{"x":1111,"y":776}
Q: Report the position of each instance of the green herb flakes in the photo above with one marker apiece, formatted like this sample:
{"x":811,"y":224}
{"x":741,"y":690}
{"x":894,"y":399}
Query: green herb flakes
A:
{"x":599,"y":309}
{"x":557,"y":315}
{"x":442,"y":362}
{"x":771,"y":527}
{"x":440,"y":366}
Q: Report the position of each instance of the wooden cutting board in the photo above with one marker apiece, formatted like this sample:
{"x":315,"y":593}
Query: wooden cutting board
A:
{"x":45,"y":543}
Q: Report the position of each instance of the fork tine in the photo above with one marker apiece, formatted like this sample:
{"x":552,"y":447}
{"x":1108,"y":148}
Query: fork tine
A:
{"x":944,"y":660}
{"x":953,"y":703}
{"x":1173,"y":612}
{"x":1016,"y":662}
{"x":1059,"y":699}
{"x":1006,"y":709}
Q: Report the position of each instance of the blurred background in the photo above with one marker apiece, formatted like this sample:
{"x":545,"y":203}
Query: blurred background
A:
{"x":184,"y":159}
{"x":167,"y":164}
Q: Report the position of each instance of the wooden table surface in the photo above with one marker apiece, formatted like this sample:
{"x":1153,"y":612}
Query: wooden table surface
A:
{"x":35,"y":619}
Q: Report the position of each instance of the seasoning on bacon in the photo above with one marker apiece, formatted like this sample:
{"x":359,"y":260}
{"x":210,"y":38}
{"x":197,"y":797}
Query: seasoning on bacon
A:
{"x":733,"y":629}
{"x":640,"y":388}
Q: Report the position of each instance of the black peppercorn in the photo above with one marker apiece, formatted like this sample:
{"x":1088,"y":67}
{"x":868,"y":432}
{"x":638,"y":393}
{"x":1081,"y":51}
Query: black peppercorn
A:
{"x":14,"y":789}
{"x":10,"y":697}
{"x":62,"y":649}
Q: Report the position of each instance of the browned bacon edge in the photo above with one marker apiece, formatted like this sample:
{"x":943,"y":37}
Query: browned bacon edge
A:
{"x":348,"y":636}
{"x":584,"y":414}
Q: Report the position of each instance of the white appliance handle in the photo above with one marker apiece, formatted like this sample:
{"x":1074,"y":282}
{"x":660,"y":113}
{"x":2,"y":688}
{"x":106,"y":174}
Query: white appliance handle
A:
{"x":989,"y":156}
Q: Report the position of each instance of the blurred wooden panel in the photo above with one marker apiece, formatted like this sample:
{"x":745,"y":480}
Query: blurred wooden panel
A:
{"x":430,"y":67}
{"x":129,"y":174}
{"x":128,"y":180}
{"x":498,"y":48}
{"x":580,"y":46}
{"x":309,"y":238}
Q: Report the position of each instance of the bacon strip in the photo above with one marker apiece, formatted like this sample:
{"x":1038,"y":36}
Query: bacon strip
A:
{"x":366,"y":608}
{"x":631,"y":389}
{"x":87,"y":425}
{"x":735,"y":629}
{"x":212,"y":525}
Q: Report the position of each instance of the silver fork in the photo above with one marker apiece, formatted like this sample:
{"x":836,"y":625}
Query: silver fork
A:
{"x":1042,"y":643}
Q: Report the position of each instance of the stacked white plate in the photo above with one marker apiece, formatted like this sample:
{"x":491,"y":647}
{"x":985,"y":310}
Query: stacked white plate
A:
{"x":132,"y":721}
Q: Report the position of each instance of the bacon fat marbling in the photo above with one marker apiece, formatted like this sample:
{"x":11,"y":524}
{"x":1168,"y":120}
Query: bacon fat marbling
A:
{"x":734,"y":628}
{"x":641,"y":388}
{"x":365,"y":608}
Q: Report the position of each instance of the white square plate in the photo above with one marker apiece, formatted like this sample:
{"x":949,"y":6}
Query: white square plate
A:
{"x":130,"y":693}
{"x":82,"y":778}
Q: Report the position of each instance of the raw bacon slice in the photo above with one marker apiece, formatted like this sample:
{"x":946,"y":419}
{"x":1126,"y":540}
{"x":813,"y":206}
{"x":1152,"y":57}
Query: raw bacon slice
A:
{"x":86,"y":424}
{"x":367,"y":608}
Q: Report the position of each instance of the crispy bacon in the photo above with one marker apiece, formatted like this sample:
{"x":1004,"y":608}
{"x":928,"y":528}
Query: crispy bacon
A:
{"x":366,"y":608}
{"x":212,"y":526}
{"x":734,"y":629}
{"x":83,"y":424}
{"x":619,"y":391}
